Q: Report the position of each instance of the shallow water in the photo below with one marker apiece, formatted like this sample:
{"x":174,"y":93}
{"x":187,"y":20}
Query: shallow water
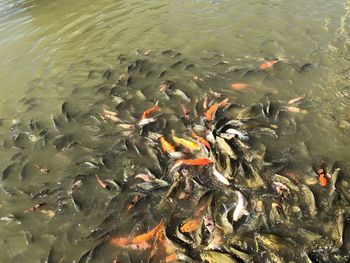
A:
{"x":58,"y":51}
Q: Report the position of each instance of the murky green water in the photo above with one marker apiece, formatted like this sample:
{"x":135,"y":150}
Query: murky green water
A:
{"x":60,"y":51}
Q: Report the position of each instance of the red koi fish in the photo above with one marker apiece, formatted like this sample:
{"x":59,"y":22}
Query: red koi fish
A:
{"x":148,"y":112}
{"x":194,"y":162}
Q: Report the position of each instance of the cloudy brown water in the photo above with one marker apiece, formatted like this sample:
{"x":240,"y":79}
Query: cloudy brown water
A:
{"x":58,"y":51}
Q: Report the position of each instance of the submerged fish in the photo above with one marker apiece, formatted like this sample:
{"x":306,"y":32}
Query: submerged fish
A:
{"x":268,"y":64}
{"x":240,"y":209}
{"x":209,"y":114}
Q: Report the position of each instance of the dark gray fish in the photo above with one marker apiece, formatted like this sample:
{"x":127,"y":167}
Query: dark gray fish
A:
{"x":62,"y":141}
{"x":168,"y":52}
{"x":92,"y":255}
{"x":49,"y":258}
{"x":55,"y":123}
{"x":128,"y":81}
{"x":189,"y":66}
{"x":28,"y":237}
{"x":40,"y":194}
{"x":76,"y":204}
{"x":178,"y":63}
{"x":163,"y":73}
{"x":7,"y":171}
{"x":305,"y":67}
{"x":107,"y":74}
{"x":88,"y":164}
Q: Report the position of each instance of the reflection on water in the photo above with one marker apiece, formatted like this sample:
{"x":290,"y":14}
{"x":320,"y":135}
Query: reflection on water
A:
{"x":63,"y":62}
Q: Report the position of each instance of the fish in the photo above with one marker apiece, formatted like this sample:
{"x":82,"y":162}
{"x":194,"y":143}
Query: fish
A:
{"x":220,"y":176}
{"x":102,"y":183}
{"x":296,"y":109}
{"x":297,"y":100}
{"x":242,"y":135}
{"x":322,"y":177}
{"x":185,"y":111}
{"x":191,"y":225}
{"x":206,"y":101}
{"x":240,"y":209}
{"x":146,"y":121}
{"x":240,"y":86}
{"x":212,"y":256}
{"x":209,"y":114}
{"x":140,"y":241}
{"x":200,"y":139}
{"x":42,"y":169}
{"x":194,"y":162}
{"x":35,"y":207}
{"x":147,"y":113}
{"x":193,"y":146}
{"x":197,"y":78}
{"x":268,"y":64}
{"x":226,"y":226}
{"x":167,"y":147}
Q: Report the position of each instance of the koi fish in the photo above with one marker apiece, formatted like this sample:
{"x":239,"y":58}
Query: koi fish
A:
{"x":240,"y":86}
{"x":268,"y":64}
{"x":296,"y":100}
{"x":134,"y":201}
{"x":190,"y":226}
{"x":209,"y":114}
{"x":295,"y":109}
{"x":102,"y":183}
{"x":35,"y":207}
{"x":194,"y":162}
{"x":140,"y":241}
{"x":198,"y":78}
{"x":166,"y":146}
{"x":172,"y":257}
{"x":323,"y":179}
{"x":146,"y":113}
{"x":185,"y":111}
{"x":200,"y":139}
{"x":150,"y":234}
{"x":42,"y":169}
{"x":193,"y":146}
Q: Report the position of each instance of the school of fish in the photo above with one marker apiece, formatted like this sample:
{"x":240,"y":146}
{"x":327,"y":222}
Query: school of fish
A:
{"x":187,"y":175}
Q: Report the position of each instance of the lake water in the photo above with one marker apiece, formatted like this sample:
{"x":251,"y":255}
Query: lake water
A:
{"x":65,"y":56}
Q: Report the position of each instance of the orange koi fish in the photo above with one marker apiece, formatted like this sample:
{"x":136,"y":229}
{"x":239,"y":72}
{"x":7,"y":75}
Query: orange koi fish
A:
{"x":190,"y":226}
{"x":146,"y":113}
{"x":150,"y":234}
{"x":193,"y":146}
{"x":194,"y":162}
{"x":141,"y":241}
{"x":323,"y":179}
{"x":172,"y":257}
{"x":166,"y":146}
{"x":268,"y":64}
{"x":212,"y":110}
{"x":240,"y":86}
{"x":201,"y":140}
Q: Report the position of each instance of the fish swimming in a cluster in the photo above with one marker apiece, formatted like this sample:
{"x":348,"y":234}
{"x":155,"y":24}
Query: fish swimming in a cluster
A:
{"x":187,"y":175}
